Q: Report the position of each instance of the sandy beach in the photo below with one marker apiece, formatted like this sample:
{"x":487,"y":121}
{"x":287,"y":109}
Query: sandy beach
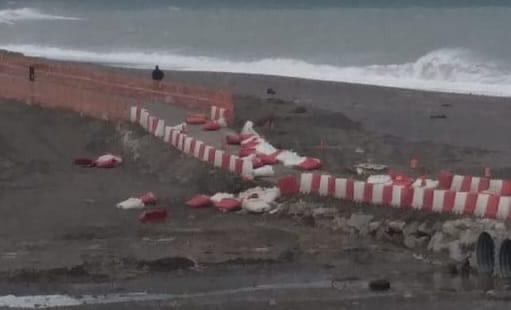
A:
{"x":396,"y":124}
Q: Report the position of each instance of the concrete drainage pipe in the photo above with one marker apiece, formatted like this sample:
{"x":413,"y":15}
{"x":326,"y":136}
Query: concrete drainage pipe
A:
{"x":504,"y":258}
{"x":485,"y":253}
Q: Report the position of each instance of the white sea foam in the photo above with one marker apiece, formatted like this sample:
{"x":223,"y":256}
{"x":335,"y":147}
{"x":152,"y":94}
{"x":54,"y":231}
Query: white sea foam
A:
{"x":450,"y":70}
{"x":11,"y":16}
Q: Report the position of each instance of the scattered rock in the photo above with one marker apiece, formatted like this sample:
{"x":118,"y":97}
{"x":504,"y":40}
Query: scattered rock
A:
{"x":298,"y":209}
{"x":425,"y":228}
{"x":360,"y":222}
{"x":381,"y":233}
{"x":452,"y":269}
{"x":438,"y":116}
{"x":339,"y":224}
{"x":373,"y":227}
{"x":395,"y":226}
{"x":324,"y":212}
{"x":280,"y":209}
{"x":455,"y":251}
{"x":437,"y":242}
{"x":411,"y":229}
{"x":379,"y":285}
{"x":300,"y":110}
{"x":451,"y":229}
{"x":412,"y":242}
{"x":468,"y":237}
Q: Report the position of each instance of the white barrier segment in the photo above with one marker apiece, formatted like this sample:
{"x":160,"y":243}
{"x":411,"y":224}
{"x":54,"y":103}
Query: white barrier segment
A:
{"x":305,"y":183}
{"x":264,"y":171}
{"x":377,"y":195}
{"x":144,"y":118}
{"x":481,"y":205}
{"x":358,"y":191}
{"x":196,"y":152}
{"x":133,"y":114}
{"x":397,"y":191}
{"x":232,"y":163}
{"x":205,"y":156}
{"x":247,"y":169}
{"x":166,"y":136}
{"x":180,"y":141}
{"x":213,"y":112}
{"x":150,"y":123}
{"x":218,"y":158}
{"x":159,"y":132}
{"x":457,"y":182}
{"x":340,"y":188}
{"x":474,"y":184}
{"x":188,"y":145}
{"x":438,"y":200}
{"x":174,"y":136}
{"x":418,"y":198}
{"x":323,"y":185}
{"x":459,"y":203}
{"x":496,"y":186}
{"x":503,"y":208}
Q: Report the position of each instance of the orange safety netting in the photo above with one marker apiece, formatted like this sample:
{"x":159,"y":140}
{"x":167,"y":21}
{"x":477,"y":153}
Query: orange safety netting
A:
{"x":95,"y":90}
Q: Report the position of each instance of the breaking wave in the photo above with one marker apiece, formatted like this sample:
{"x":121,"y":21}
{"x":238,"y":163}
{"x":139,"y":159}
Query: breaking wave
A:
{"x":11,"y":16}
{"x":449,"y":70}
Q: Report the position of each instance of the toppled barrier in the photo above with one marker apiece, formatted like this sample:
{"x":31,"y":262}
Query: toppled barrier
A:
{"x":176,"y":136}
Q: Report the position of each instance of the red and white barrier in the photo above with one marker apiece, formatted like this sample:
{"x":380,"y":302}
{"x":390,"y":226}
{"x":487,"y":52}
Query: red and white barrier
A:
{"x":135,"y":114}
{"x":504,"y":208}
{"x":426,"y":199}
{"x":218,"y":114}
{"x":500,"y":187}
{"x":462,"y":183}
{"x":352,"y":190}
{"x":189,"y":145}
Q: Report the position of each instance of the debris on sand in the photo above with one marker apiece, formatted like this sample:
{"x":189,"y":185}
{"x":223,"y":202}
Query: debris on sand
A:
{"x":254,"y":200}
{"x":300,"y":110}
{"x":368,"y":168}
{"x":138,"y":203}
{"x":103,"y":161}
{"x":359,"y":150}
{"x":199,"y":201}
{"x":258,"y":199}
{"x":228,"y":204}
{"x":153,"y":215}
{"x":379,"y":285}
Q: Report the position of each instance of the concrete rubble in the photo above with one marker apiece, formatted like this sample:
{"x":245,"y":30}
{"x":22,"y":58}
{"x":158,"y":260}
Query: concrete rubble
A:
{"x":454,"y":238}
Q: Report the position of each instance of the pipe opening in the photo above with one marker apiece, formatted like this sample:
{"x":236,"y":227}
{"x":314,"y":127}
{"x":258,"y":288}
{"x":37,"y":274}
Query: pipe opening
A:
{"x":485,"y":252}
{"x":505,"y":258}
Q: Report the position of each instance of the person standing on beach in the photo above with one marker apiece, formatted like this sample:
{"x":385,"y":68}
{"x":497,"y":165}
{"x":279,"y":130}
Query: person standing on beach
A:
{"x":158,"y":76}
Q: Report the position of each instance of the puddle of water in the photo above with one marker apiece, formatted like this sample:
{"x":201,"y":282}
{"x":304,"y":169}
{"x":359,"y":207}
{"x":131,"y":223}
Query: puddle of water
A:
{"x":49,"y":301}
{"x":442,"y":281}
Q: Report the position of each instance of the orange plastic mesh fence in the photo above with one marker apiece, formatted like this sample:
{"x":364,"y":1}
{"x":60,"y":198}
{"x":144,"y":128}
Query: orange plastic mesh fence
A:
{"x":97,"y":91}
